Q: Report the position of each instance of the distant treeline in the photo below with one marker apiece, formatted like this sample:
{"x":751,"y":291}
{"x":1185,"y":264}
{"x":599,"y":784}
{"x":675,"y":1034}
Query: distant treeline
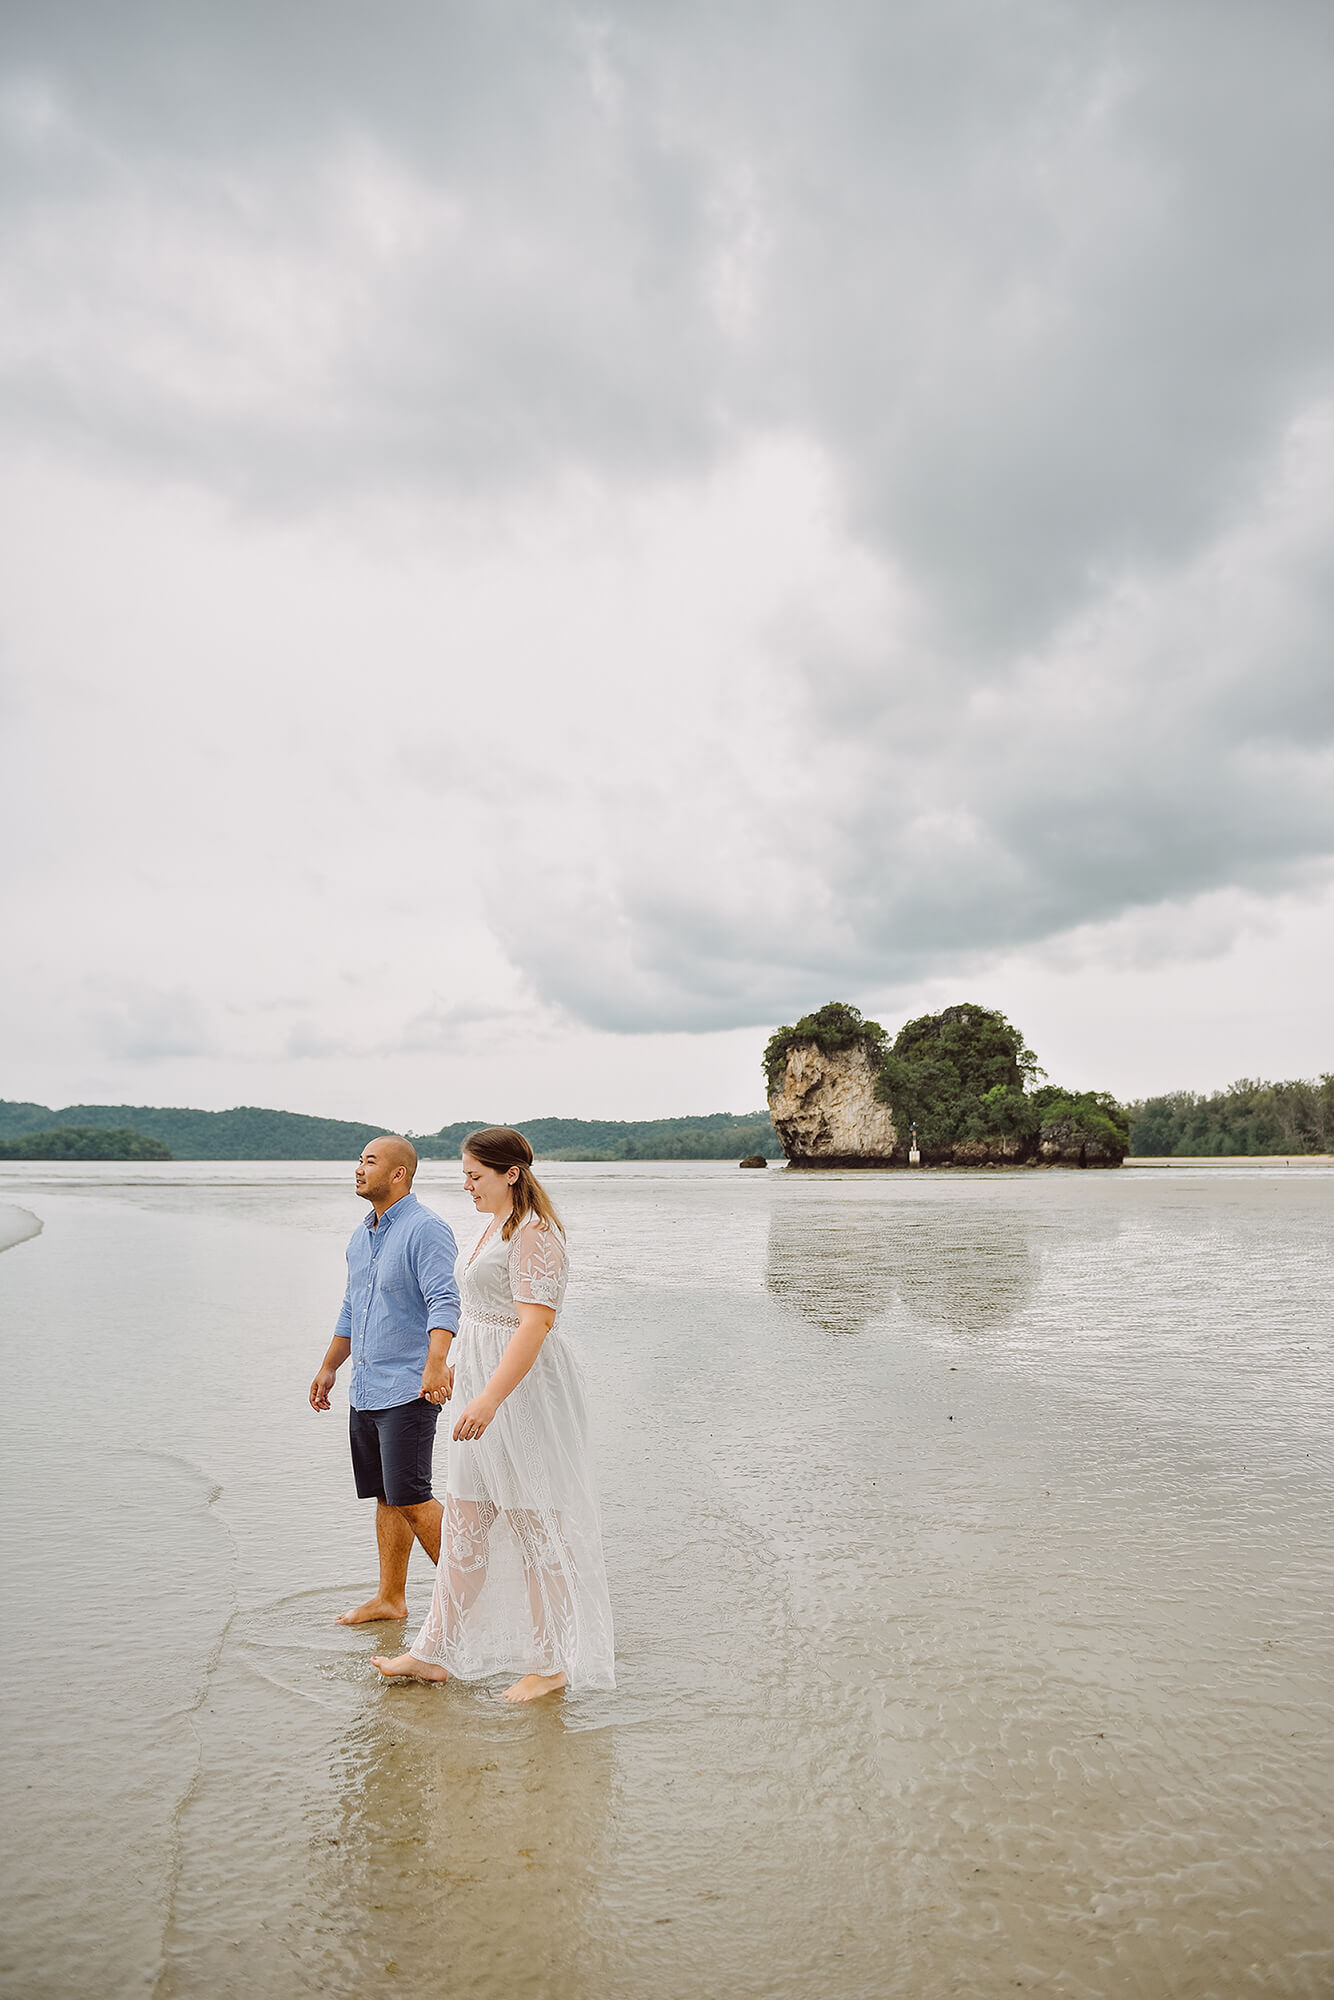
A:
{"x":251,"y":1133}
{"x":84,"y":1142}
{"x":248,"y":1133}
{"x":715,"y":1135}
{"x":1247,"y":1117}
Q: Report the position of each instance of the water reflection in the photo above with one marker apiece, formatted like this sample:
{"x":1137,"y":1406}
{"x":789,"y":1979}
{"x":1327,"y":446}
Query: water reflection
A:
{"x":450,"y":1821}
{"x":844,"y":1263}
{"x":383,"y":1831}
{"x":925,"y":1668}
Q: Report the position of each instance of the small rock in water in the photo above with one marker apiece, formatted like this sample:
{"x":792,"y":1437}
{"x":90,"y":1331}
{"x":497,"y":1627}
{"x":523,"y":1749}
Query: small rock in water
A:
{"x":754,"y":1160}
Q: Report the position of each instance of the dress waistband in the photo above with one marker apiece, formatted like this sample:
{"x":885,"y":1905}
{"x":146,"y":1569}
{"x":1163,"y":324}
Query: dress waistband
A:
{"x":469,"y":1319}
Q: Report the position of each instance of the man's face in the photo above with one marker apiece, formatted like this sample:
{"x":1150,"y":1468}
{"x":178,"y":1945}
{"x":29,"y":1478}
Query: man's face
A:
{"x":375,"y":1174}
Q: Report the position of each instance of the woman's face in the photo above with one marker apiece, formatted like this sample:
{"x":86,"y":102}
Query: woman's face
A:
{"x":491,"y":1188}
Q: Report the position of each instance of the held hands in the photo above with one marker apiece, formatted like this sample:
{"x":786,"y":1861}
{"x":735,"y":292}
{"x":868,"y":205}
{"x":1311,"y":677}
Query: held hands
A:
{"x":437,"y":1382}
{"x":319,"y":1389}
{"x":475,"y":1418}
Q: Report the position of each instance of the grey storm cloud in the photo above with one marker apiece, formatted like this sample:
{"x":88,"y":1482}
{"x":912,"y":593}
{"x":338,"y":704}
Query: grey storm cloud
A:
{"x":1042,"y":282}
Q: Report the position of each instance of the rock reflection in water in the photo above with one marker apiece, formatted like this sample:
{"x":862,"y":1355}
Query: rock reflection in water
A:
{"x":845,"y":1262}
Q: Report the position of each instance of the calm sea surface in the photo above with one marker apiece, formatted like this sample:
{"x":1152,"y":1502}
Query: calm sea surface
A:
{"x":970,"y":1547}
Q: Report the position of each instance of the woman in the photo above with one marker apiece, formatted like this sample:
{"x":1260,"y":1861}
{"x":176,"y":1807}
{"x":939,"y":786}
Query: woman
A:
{"x":520,"y":1585}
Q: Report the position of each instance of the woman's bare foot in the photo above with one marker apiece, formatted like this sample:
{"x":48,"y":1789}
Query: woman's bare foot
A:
{"x":407,"y":1667}
{"x":374,"y":1611}
{"x":532,"y":1686}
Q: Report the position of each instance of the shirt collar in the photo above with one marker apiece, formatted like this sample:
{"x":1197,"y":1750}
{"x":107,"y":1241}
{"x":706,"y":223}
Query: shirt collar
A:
{"x":404,"y":1201}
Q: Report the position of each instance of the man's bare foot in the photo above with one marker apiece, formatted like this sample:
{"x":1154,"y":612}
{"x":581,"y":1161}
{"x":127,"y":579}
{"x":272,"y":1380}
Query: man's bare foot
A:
{"x":407,"y":1667}
{"x":532,"y":1686}
{"x":375,"y":1611}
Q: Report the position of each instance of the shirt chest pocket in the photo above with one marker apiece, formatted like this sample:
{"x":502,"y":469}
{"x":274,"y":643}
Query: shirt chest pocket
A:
{"x":395,"y":1292}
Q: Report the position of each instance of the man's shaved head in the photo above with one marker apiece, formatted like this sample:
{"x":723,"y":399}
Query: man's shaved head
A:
{"x":395,"y":1151}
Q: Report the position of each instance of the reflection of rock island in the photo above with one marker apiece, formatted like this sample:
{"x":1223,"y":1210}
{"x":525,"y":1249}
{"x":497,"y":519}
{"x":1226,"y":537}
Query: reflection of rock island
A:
{"x":843,"y":1264}
{"x":956,"y":1089}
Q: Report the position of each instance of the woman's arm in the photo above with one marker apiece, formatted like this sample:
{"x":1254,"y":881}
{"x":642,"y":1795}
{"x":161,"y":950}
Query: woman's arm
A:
{"x":525,"y":1344}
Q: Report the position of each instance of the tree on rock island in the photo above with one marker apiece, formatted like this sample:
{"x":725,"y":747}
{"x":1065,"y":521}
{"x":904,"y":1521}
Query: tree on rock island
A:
{"x":964,"y":1079}
{"x":960,"y":1077}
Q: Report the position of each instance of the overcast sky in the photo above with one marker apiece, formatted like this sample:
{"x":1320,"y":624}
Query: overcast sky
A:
{"x":537,"y":543}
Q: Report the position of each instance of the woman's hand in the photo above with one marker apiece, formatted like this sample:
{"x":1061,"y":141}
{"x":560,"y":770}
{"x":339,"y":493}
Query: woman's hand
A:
{"x":475,"y":1418}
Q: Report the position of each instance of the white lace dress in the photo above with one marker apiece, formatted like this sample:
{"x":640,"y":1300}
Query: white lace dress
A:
{"x":521,"y":1585}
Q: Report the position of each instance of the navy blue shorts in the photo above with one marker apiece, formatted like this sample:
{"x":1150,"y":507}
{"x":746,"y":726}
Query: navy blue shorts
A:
{"x":391,"y":1452}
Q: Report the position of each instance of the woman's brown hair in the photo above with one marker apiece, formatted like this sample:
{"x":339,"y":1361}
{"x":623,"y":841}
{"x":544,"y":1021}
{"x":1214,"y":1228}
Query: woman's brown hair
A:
{"x":501,"y":1147}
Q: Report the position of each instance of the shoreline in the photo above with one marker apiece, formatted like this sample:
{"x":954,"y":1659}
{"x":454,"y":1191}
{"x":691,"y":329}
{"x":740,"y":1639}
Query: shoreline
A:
{"x":1232,"y":1160}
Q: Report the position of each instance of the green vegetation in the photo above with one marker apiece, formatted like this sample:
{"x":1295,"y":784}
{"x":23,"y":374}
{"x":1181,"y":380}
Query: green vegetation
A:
{"x":253,"y":1134}
{"x":247,"y":1133}
{"x":717,"y":1135}
{"x":84,"y":1142}
{"x":964,"y":1081}
{"x":831,"y":1027}
{"x":1083,"y":1118}
{"x":960,"y":1075}
{"x":1247,"y":1117}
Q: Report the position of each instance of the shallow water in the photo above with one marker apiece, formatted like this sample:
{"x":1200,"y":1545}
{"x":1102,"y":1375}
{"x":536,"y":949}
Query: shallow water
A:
{"x":970,"y":1549}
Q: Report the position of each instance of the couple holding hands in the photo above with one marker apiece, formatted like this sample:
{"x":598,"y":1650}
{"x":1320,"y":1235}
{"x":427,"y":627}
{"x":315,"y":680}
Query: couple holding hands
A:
{"x":520,"y":1583}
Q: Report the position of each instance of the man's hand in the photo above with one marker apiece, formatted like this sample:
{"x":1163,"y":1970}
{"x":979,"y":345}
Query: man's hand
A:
{"x":437,"y":1375}
{"x":437,"y":1381}
{"x":320,"y":1387}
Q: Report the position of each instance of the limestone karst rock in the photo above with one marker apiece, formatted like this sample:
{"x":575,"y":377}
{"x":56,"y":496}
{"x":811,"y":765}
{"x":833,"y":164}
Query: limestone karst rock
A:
{"x":825,"y":1110}
{"x":959,"y":1083}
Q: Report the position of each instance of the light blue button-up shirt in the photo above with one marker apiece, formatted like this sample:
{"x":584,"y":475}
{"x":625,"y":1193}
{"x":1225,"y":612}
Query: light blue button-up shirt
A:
{"x":400,"y":1284}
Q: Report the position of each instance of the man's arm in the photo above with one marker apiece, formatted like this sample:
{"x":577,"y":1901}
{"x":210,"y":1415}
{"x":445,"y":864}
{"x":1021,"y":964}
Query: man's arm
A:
{"x":434,"y":1272}
{"x":437,"y":1375}
{"x":339,"y":1349}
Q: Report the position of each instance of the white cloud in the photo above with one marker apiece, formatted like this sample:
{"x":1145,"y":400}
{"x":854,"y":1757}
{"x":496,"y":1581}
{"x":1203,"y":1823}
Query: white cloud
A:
{"x":518,"y":530}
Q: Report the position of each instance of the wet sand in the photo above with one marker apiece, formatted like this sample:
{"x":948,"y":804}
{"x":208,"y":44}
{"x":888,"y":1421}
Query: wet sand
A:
{"x":17,"y":1225}
{"x":970,"y":1547}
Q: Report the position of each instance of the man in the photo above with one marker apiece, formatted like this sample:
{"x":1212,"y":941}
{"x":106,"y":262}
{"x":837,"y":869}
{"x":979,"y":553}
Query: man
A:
{"x":400,"y":1314}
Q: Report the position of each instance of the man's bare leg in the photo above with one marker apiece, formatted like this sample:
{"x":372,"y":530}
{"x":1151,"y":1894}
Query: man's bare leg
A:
{"x":424,"y":1521}
{"x":394,"y":1538}
{"x":396,"y":1528}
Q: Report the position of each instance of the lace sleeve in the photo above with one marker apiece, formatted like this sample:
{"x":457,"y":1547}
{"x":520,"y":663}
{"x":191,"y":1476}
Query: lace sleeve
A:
{"x":537,"y":1266}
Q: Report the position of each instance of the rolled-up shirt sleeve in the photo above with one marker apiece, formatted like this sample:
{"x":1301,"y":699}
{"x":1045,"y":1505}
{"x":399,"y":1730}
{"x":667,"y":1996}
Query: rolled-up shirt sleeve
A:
{"x":435,"y":1254}
{"x":343,"y":1330}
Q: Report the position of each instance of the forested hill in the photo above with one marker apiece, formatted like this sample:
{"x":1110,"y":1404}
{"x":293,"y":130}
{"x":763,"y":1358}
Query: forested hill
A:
{"x":715,"y":1135}
{"x":248,"y":1133}
{"x":251,"y":1133}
